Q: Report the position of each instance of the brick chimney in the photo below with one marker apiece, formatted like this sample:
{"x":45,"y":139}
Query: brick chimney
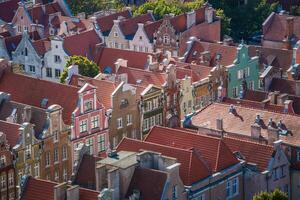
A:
{"x":272,"y":134}
{"x":60,"y":191}
{"x":190,"y":19}
{"x":255,"y":131}
{"x":289,"y":27}
{"x":73,"y":193}
{"x":219,"y":124}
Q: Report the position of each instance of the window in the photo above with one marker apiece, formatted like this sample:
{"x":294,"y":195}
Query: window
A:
{"x":116,"y":45}
{"x":32,"y":69}
{"x":122,"y":46}
{"x":275,"y":174}
{"x":174,"y":193}
{"x":56,"y":136}
{"x":26,"y":51}
{"x":19,"y":29}
{"x":101,"y":142}
{"x":28,"y":151}
{"x":2,"y":160}
{"x":65,"y":152}
{"x":119,"y":123}
{"x":160,"y":119}
{"x":36,"y":170}
{"x":47,"y":159}
{"x":251,"y":85}
{"x":166,"y":39}
{"x":298,"y":155}
{"x":82,"y":126}
{"x":88,"y":105}
{"x":234,"y":91}
{"x":228,"y":189}
{"x":90,"y":144}
{"x":282,"y":171}
{"x":240,"y":74}
{"x":133,"y":134}
{"x":56,"y":175}
{"x":149,"y":105}
{"x":3,"y":181}
{"x":57,"y":59}
{"x":49,"y":72}
{"x":140,"y":48}
{"x":11,"y":179}
{"x":146,"y":49}
{"x":25,"y":28}
{"x":201,"y":197}
{"x":95,"y":122}
{"x":11,"y":196}
{"x":115,"y":34}
{"x":65,"y":174}
{"x":129,"y":119}
{"x":115,"y":141}
{"x":235,"y":186}
{"x":146,"y":124}
{"x":57,"y":73}
{"x":134,"y":48}
{"x":56,"y":155}
{"x":141,"y":37}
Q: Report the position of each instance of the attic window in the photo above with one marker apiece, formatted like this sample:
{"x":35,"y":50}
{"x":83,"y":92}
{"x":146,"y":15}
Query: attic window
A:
{"x":124,"y":103}
{"x":115,"y":34}
{"x":141,"y":37}
{"x":44,"y":103}
{"x":166,"y":39}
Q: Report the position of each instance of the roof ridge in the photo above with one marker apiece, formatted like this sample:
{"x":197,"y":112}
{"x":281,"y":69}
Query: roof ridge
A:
{"x":246,"y":141}
{"x":12,"y":123}
{"x":218,"y":156}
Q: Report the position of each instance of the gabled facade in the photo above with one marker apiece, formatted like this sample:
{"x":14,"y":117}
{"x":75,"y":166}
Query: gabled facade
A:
{"x":89,"y":123}
{"x":27,"y":57}
{"x":243,"y":74}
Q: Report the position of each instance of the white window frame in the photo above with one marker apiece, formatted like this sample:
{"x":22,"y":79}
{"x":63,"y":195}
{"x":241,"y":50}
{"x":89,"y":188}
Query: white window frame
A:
{"x":119,"y":123}
{"x":48,"y":158}
{"x":3,"y":182}
{"x":129,"y":119}
{"x":101,"y":142}
{"x":83,"y":126}
{"x":90,"y":143}
{"x":235,"y":183}
{"x":64,"y":152}
{"x":88,"y":105}
{"x":95,"y":122}
{"x":36,"y":170}
{"x":56,"y":155}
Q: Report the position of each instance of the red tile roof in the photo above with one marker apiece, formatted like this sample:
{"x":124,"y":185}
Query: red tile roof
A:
{"x":74,"y":24}
{"x":151,"y":28}
{"x":196,"y":75}
{"x":212,"y":149}
{"x":41,"y":46}
{"x":192,"y":167}
{"x":144,"y":179}
{"x":179,"y":23}
{"x":8,"y":9}
{"x":83,"y":44}
{"x":106,"y":22}
{"x":144,"y":77}
{"x":107,"y":57}
{"x":283,"y":86}
{"x":276,"y":30}
{"x":12,"y":42}
{"x":228,"y":53}
{"x":241,"y":122}
{"x":130,"y":26}
{"x":32,"y":91}
{"x":11,"y":131}
{"x":38,"y":189}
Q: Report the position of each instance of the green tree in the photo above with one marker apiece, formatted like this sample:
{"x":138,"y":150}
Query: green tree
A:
{"x":275,"y":195}
{"x":86,"y":67}
{"x":295,"y":10}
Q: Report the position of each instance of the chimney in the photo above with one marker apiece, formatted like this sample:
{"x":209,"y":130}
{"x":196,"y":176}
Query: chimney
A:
{"x":120,"y":63}
{"x":298,"y":88}
{"x":190,"y":19}
{"x":209,"y":14}
{"x":289,"y":27}
{"x":113,"y":180}
{"x":27,"y":114}
{"x":140,"y":26}
{"x":72,"y":69}
{"x":273,"y":97}
{"x":219,"y":124}
{"x":277,"y":144}
{"x":255,"y":131}
{"x":60,"y":191}
{"x":282,"y":98}
{"x":288,"y":106}
{"x":73,"y":193}
{"x":272,"y":134}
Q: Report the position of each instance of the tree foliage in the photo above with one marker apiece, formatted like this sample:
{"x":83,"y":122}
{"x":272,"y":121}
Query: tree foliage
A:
{"x":275,"y":195}
{"x":295,"y":10}
{"x":92,"y":6}
{"x":86,"y":67}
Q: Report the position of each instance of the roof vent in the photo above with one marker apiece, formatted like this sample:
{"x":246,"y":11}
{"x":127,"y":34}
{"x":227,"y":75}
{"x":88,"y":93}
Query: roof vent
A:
{"x":44,"y":103}
{"x":271,"y":123}
{"x":232,"y":109}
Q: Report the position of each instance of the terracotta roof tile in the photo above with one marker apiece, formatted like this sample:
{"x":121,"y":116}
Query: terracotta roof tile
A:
{"x":196,"y":75}
{"x":74,"y":24}
{"x":228,"y":53}
{"x":107,"y":57}
{"x":212,"y":149}
{"x":8,"y":9}
{"x":150,"y":28}
{"x":83,"y":44}
{"x":144,"y":179}
{"x":179,"y":23}
{"x":106,"y":22}
{"x":11,"y":131}
{"x":283,"y":86}
{"x":142,"y":77}
{"x":37,"y":90}
{"x":241,"y":122}
{"x":41,"y":46}
{"x":85,"y":194}
{"x":192,"y":168}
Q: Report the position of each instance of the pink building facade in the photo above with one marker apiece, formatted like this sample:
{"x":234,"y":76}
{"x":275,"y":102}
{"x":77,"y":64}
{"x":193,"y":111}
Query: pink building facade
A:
{"x":89,"y":125}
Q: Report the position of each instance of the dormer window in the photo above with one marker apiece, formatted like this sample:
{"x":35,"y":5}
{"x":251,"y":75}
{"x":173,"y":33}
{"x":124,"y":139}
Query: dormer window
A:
{"x":141,"y":37}
{"x":88,"y":105}
{"x":166,"y":39}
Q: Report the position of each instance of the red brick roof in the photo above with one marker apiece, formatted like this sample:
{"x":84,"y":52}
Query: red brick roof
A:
{"x":83,"y":44}
{"x":192,"y":167}
{"x":144,"y":77}
{"x":107,"y":57}
{"x":213,"y":150}
{"x":38,"y":189}
{"x":32,"y":91}
{"x":106,"y":22}
{"x":11,"y":131}
{"x":228,"y":53}
{"x":244,"y":118}
{"x":130,"y":26}
{"x":8,"y":9}
{"x":144,"y":181}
